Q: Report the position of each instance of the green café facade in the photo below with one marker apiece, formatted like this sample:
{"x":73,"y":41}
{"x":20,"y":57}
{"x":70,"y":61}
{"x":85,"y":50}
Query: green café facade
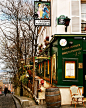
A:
{"x":67,"y":64}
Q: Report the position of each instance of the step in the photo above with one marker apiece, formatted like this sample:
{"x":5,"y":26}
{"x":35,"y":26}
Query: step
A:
{"x":24,"y":101}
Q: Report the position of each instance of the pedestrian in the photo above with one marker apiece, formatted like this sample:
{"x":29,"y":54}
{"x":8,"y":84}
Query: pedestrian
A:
{"x":5,"y":90}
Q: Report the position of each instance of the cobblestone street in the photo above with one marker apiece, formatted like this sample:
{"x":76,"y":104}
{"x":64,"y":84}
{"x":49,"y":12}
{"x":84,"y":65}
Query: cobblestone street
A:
{"x":6,"y":101}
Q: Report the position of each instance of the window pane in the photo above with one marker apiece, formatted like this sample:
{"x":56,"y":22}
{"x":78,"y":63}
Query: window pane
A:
{"x":83,"y":18}
{"x":83,"y":8}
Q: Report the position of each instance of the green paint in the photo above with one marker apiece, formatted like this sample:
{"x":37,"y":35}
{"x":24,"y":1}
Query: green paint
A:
{"x":75,"y":51}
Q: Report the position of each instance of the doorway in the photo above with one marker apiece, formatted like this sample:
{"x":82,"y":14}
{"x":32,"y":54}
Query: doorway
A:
{"x":84,"y":74}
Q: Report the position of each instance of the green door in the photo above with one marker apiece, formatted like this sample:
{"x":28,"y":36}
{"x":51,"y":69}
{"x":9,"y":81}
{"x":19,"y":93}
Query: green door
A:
{"x":84,"y":74}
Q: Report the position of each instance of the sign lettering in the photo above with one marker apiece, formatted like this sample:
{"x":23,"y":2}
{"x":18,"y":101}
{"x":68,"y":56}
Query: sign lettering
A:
{"x":67,"y":52}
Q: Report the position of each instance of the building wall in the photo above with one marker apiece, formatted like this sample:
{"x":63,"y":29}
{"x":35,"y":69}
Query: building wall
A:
{"x":72,"y":9}
{"x":69,"y":8}
{"x":1,"y":86}
{"x":63,"y":8}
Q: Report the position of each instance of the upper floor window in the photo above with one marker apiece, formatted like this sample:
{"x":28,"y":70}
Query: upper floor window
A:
{"x":78,"y":16}
{"x":83,"y":18}
{"x":75,"y":16}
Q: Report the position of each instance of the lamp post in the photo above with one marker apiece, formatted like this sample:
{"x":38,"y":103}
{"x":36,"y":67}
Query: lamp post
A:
{"x":66,"y":22}
{"x":25,"y":45}
{"x":21,"y":89}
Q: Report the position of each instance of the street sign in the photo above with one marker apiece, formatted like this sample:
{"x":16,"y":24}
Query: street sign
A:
{"x":60,"y":20}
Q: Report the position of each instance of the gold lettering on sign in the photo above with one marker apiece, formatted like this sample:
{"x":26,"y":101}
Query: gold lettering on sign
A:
{"x":72,"y":51}
{"x":71,"y":47}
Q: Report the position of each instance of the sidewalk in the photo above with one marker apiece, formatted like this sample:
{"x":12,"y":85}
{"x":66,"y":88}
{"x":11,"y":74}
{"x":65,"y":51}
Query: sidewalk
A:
{"x":73,"y":106}
{"x":30,"y":103}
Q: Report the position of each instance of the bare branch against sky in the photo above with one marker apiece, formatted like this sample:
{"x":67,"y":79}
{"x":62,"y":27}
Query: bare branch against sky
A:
{"x":16,"y":24}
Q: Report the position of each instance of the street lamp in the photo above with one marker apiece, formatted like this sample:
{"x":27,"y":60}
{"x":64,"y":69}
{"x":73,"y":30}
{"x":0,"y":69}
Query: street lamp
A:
{"x":24,"y":34}
{"x":22,"y":61}
{"x":21,"y":89}
{"x":66,"y":22}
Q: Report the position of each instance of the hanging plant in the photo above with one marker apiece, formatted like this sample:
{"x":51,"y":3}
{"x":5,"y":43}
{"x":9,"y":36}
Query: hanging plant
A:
{"x":47,"y":38}
{"x":39,"y":48}
{"x":25,"y":80}
{"x":44,"y":40}
{"x":41,"y":45}
{"x":46,"y":52}
{"x":45,"y":44}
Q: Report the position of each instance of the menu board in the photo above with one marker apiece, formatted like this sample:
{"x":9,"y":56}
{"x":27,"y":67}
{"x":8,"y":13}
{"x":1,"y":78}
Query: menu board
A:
{"x":69,"y":69}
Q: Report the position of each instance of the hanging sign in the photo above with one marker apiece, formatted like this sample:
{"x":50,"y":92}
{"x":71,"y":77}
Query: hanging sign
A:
{"x":42,"y":15}
{"x":60,"y":20}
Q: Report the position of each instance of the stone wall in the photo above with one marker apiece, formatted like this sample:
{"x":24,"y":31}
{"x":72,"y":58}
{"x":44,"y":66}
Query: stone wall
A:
{"x":27,"y":92}
{"x":17,"y":91}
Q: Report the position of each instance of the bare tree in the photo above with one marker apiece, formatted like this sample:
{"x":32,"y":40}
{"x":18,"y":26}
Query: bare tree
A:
{"x":16,"y":27}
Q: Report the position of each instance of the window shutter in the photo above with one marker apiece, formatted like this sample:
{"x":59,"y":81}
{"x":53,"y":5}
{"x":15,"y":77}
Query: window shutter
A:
{"x":75,"y":16}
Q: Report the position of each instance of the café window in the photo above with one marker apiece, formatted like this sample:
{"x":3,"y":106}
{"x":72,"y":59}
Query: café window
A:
{"x":70,"y":68}
{"x":46,"y":69}
{"x":39,"y":68}
{"x":54,"y":67}
{"x":42,"y":68}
